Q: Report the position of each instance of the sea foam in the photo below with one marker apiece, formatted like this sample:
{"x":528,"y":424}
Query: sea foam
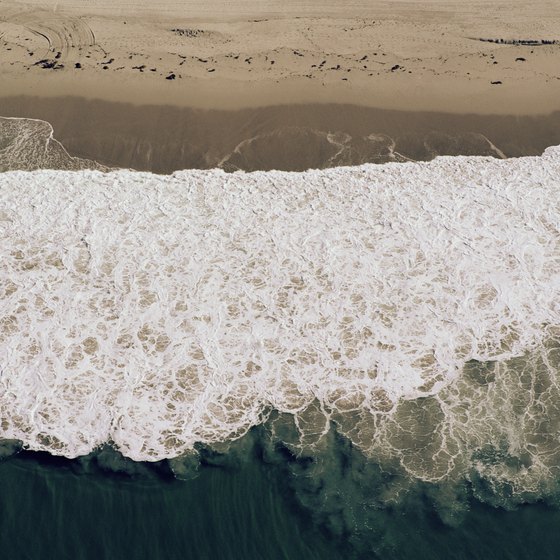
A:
{"x":29,"y":144}
{"x":157,"y":312}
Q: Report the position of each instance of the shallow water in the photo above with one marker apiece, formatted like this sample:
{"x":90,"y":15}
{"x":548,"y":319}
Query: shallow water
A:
{"x":288,"y":137}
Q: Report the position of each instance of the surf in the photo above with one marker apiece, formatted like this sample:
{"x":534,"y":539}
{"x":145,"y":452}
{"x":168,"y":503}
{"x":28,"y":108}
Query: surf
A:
{"x":408,"y":305}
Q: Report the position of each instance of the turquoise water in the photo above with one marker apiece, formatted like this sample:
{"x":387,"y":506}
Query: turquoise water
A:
{"x":249,"y":503}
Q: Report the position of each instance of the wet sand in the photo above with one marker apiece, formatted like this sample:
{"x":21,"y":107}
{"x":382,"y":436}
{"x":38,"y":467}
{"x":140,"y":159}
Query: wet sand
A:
{"x":163,"y":139}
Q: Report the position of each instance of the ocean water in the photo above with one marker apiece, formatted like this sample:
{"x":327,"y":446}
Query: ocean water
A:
{"x":347,"y":363}
{"x":241,"y":507}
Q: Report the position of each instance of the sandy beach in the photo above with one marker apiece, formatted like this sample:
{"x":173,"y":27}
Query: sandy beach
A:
{"x":484,"y":58}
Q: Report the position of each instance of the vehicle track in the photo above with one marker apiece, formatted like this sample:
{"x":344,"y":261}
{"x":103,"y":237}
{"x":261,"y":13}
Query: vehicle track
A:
{"x":61,"y":32}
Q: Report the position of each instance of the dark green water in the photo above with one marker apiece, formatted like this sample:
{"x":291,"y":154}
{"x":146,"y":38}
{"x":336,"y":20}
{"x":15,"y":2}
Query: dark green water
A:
{"x":246,"y":504}
{"x":49,"y":511}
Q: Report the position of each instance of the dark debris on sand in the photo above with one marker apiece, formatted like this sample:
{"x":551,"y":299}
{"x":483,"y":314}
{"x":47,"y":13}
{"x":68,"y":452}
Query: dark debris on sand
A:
{"x":49,"y":64}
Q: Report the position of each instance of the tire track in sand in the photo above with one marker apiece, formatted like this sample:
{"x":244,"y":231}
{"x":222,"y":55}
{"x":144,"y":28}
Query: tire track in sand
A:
{"x":62,"y":33}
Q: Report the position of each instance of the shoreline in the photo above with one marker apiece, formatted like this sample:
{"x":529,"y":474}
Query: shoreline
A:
{"x":163,"y":139}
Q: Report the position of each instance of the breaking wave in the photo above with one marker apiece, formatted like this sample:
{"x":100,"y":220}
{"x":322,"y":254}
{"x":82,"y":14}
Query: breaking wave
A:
{"x":413,"y":308}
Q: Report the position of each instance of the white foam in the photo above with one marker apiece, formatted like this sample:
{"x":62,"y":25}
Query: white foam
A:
{"x":29,"y":144}
{"x":160,"y":311}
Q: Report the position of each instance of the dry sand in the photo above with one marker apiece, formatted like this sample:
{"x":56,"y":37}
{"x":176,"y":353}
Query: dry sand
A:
{"x":415,"y":55}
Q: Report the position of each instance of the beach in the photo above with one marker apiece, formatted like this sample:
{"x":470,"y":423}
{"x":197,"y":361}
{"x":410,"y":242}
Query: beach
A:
{"x":291,"y":86}
{"x":421,"y":56}
{"x":279,"y":279}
